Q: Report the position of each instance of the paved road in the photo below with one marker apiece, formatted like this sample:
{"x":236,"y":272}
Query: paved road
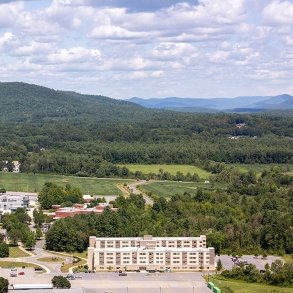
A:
{"x":133,"y":188}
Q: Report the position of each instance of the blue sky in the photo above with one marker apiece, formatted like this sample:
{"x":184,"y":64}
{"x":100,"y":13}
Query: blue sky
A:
{"x":150,"y":48}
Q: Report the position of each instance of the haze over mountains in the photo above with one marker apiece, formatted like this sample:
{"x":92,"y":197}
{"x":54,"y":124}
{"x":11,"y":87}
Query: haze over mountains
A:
{"x":22,"y":102}
{"x":238,"y":104}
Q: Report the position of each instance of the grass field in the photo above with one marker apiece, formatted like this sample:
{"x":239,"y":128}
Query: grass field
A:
{"x":288,"y":258}
{"x":65,"y":268}
{"x":168,"y":188}
{"x":261,"y":167}
{"x":244,"y":287}
{"x":17,"y":264}
{"x":51,"y":259}
{"x":172,"y":169}
{"x":35,"y":182}
{"x":15,"y":251}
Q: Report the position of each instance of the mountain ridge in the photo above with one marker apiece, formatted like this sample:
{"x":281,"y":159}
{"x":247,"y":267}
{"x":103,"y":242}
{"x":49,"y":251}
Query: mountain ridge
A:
{"x":23,"y":102}
{"x":261,"y":103}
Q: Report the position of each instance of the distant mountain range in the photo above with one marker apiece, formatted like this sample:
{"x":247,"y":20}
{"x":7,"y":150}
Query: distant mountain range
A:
{"x":238,"y":104}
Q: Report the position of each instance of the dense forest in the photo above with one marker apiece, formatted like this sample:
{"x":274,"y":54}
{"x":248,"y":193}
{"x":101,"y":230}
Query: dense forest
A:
{"x":254,"y":215}
{"x":65,"y":132}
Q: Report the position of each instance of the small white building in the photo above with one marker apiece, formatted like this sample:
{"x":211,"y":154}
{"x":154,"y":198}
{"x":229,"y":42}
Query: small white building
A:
{"x":16,"y":167}
{"x":9,"y":203}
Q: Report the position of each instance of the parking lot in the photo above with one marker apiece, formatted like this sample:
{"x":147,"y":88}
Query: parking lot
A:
{"x":259,"y":262}
{"x":112,"y":282}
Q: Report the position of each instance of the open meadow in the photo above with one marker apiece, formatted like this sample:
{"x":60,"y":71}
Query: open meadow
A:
{"x":168,"y":188}
{"x":228,"y":286}
{"x":34,"y":183}
{"x":172,"y":169}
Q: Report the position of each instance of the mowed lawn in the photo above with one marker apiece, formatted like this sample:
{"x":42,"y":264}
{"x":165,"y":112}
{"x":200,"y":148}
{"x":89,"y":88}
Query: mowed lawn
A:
{"x":244,"y":287}
{"x":168,"y":188}
{"x":35,"y":182}
{"x":172,"y":169}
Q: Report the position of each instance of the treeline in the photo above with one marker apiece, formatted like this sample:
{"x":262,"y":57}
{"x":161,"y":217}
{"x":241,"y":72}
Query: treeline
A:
{"x":234,"y":220}
{"x":52,"y":194}
{"x":277,"y":273}
{"x":92,"y":148}
{"x":17,"y":228}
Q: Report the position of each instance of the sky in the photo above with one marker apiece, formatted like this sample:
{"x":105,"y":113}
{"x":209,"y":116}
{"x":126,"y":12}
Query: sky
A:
{"x":150,"y":48}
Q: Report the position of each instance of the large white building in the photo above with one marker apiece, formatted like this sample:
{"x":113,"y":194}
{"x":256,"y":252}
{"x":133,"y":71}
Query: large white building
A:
{"x":9,"y":203}
{"x":150,"y":253}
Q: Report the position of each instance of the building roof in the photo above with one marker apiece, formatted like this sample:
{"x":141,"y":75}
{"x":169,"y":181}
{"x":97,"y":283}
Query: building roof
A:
{"x":153,"y":238}
{"x":156,"y":249}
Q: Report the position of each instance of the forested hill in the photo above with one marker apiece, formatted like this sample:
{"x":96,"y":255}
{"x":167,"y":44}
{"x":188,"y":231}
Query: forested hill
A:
{"x":22,"y":102}
{"x":70,"y":133}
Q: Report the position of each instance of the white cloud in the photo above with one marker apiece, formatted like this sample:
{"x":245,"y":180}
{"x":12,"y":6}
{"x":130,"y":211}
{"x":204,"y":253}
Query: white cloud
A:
{"x":279,"y":12}
{"x":115,"y":32}
{"x":185,"y":45}
{"x":72,"y":55}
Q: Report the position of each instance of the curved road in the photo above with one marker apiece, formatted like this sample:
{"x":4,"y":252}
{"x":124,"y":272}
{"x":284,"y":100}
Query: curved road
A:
{"x":133,"y":189}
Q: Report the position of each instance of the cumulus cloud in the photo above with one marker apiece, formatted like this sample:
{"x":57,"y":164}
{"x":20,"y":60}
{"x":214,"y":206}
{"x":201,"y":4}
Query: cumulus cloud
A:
{"x":183,"y":44}
{"x":71,"y":55}
{"x":279,"y":12}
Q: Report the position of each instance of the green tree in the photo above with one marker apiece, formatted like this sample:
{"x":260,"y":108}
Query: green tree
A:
{"x":219,"y":265}
{"x":39,"y":233}
{"x":4,"y":250}
{"x":4,"y":283}
{"x":14,"y":235}
{"x":39,"y":217}
{"x":60,"y":282}
{"x":30,"y":240}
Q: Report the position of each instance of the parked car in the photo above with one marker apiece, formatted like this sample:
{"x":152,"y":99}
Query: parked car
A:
{"x":122,"y":273}
{"x":21,"y":273}
{"x":13,"y":274}
{"x":70,"y":277}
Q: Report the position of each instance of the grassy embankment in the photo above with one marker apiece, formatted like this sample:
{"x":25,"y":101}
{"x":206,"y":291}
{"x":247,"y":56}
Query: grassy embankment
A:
{"x":15,"y":251}
{"x":35,"y":182}
{"x":231,"y":286}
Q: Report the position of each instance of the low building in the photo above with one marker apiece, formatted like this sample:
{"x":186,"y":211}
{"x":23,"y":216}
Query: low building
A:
{"x":88,"y":198}
{"x":16,"y":167}
{"x":9,"y":203}
{"x":79,"y":209}
{"x":150,"y":253}
{"x":13,"y":166}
